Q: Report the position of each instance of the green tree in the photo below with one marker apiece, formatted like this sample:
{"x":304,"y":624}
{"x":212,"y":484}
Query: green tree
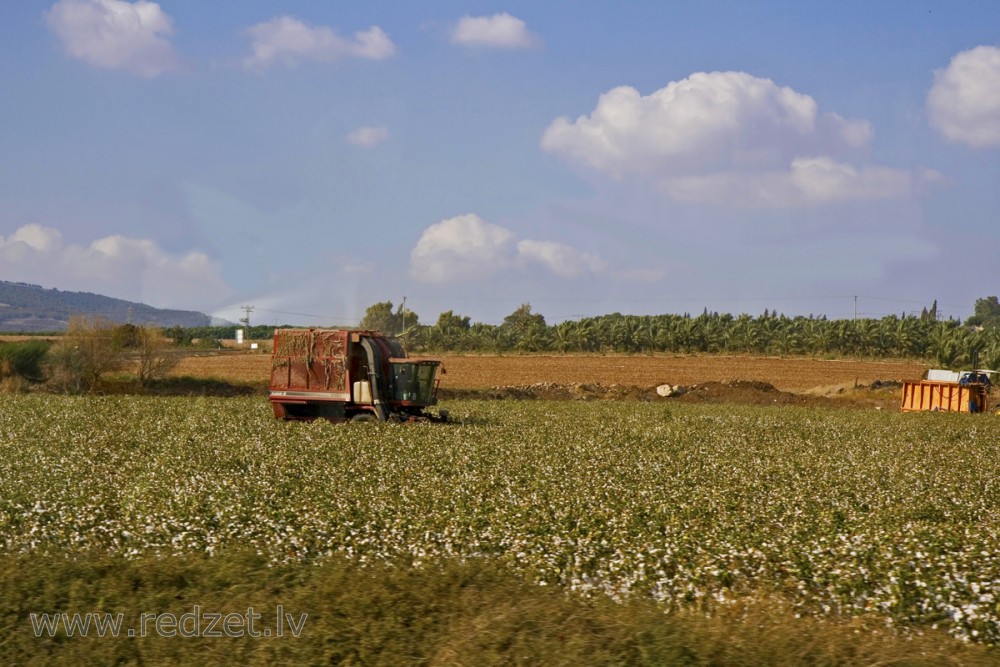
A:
{"x":181,"y":336}
{"x":482,"y":336}
{"x":820,"y":336}
{"x":786,"y":338}
{"x":987,"y":313}
{"x":945,"y":345}
{"x":381,"y":317}
{"x":526,"y":328}
{"x":564,"y":337}
{"x":451,"y":332}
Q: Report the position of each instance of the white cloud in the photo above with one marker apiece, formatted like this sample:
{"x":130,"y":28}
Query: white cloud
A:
{"x":114,"y":34}
{"x":500,"y":31}
{"x":464,"y":247}
{"x":118,"y":266}
{"x":964,"y":103}
{"x":704,"y":120}
{"x":368,"y":136}
{"x":808,"y":182}
{"x":560,"y":259}
{"x":32,"y":238}
{"x":727,"y":136}
{"x":287,"y":40}
{"x":469,"y":248}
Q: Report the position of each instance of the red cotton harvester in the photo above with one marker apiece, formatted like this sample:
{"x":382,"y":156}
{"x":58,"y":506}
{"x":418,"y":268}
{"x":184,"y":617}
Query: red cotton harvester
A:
{"x":342,"y":374}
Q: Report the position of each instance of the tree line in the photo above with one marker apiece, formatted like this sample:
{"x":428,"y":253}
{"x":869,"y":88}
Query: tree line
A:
{"x":949,"y":343}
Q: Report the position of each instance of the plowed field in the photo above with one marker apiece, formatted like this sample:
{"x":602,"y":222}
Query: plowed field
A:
{"x":474,"y":372}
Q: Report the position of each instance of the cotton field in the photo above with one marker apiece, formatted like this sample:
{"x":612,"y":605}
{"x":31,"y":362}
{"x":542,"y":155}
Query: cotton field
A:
{"x":888,"y":516}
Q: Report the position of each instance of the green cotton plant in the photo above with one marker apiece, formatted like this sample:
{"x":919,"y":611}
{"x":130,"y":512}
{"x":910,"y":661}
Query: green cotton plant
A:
{"x":883,"y":516}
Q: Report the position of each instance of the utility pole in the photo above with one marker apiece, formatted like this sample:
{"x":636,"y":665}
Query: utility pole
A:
{"x":246,"y":320}
{"x":855,"y":307}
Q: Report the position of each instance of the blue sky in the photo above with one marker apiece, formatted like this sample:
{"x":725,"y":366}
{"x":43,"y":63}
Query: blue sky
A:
{"x":312,"y":158}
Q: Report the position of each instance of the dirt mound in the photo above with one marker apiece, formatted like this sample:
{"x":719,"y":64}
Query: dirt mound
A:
{"x":749,"y":392}
{"x":741,"y":392}
{"x":551,"y":391}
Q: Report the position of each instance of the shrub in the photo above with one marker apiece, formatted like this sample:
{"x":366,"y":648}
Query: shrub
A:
{"x":23,"y":359}
{"x":155,"y":360}
{"x":87,"y":352}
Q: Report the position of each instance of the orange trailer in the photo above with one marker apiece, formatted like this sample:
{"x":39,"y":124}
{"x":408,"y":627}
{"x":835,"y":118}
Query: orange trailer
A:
{"x":946,"y":391}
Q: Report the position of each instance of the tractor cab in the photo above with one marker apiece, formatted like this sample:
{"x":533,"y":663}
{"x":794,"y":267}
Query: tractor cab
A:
{"x":414,"y":380}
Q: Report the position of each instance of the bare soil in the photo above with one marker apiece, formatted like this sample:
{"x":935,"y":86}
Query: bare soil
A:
{"x":785,"y":374}
{"x":709,"y":379}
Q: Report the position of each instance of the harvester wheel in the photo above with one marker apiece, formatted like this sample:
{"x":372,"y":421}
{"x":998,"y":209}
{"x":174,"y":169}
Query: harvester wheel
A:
{"x":364,"y":417}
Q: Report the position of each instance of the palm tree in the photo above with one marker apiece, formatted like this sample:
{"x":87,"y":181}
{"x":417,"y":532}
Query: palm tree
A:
{"x":625,"y":334}
{"x":866,"y":332}
{"x":479,"y":336}
{"x":819,"y":334}
{"x":564,"y":336}
{"x":532,"y":339}
{"x":989,"y":356}
{"x":945,"y":346}
{"x":785,"y":340}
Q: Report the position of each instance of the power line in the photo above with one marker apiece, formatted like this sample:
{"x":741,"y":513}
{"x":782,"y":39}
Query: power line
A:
{"x":312,"y":315}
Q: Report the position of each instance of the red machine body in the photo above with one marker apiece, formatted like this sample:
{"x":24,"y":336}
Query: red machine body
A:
{"x":343,"y":374}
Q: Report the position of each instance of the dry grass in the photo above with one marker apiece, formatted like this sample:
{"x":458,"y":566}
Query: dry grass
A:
{"x":445,"y":614}
{"x":13,"y":384}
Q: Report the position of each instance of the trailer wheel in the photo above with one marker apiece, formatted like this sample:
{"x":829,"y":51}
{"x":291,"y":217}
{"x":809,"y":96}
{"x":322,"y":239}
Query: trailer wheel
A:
{"x":364,"y":417}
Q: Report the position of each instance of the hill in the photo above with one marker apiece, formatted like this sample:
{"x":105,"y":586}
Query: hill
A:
{"x":28,"y":308}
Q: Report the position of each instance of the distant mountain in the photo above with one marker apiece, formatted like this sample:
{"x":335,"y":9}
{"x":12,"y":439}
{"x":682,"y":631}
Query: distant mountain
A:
{"x":25,"y":308}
